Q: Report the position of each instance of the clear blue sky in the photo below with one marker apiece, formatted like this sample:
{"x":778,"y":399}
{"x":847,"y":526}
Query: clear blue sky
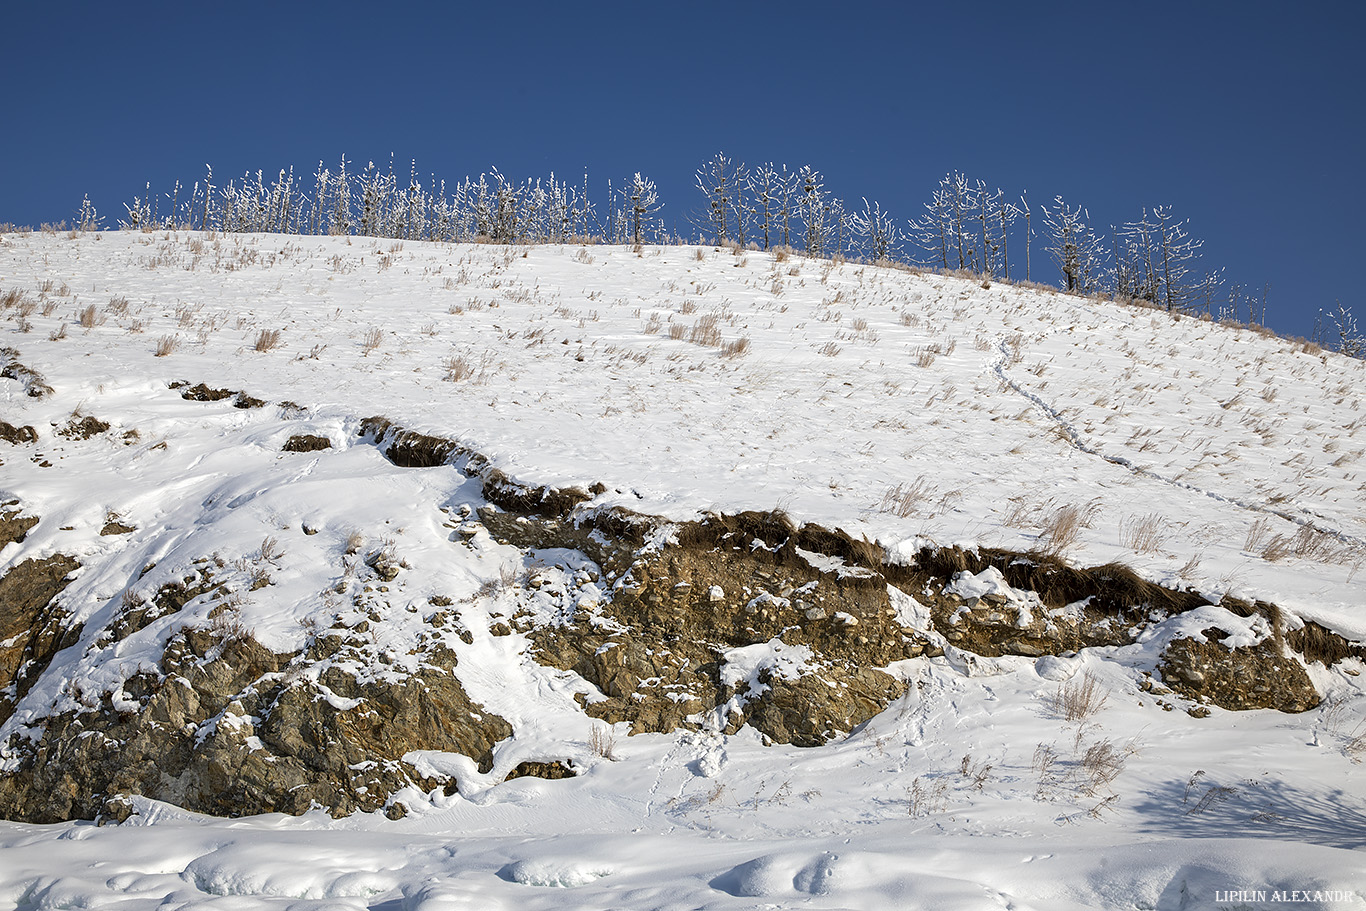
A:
{"x":1247,"y":118}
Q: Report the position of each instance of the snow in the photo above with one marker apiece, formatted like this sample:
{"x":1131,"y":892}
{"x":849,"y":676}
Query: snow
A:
{"x":838,"y":415}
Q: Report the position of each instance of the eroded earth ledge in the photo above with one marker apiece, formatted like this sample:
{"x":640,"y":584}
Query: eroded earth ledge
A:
{"x":729,"y":620}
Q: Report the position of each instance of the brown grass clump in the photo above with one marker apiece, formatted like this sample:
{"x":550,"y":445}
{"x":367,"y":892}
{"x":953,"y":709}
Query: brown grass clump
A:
{"x":705,"y":331}
{"x":267,"y":339}
{"x":1062,"y":530}
{"x":1318,"y":643}
{"x":736,"y":348}
{"x":166,"y":345}
{"x":1079,"y":699}
{"x":904,"y":500}
{"x":458,"y":368}
{"x":1142,"y":534}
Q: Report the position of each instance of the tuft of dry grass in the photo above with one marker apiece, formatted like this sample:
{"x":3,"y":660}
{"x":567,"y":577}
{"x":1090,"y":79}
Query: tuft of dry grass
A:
{"x":373,"y":338}
{"x":905,"y":500}
{"x":1256,"y":535}
{"x":166,"y":345}
{"x":706,"y":331}
{"x":602,"y":740}
{"x":1062,"y":529}
{"x":737,"y":348}
{"x":354,"y":542}
{"x":267,"y":339}
{"x":1142,"y":534}
{"x":458,"y":368}
{"x":1078,"y":699}
{"x":89,"y":317}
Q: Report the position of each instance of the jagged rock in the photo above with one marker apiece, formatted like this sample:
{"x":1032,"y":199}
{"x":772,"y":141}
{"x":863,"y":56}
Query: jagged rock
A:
{"x":228,"y":727}
{"x":83,"y":429}
{"x":14,"y":526}
{"x":306,"y":442}
{"x":17,"y":435}
{"x":1246,"y":677}
{"x":32,"y":629}
{"x":815,"y":707}
{"x":551,"y":771}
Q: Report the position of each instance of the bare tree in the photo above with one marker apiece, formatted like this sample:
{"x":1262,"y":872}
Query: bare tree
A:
{"x":1075,"y":248}
{"x":642,"y":201}
{"x":882,"y":238}
{"x":814,"y":209}
{"x":1350,"y":340}
{"x":771,"y":194}
{"x":718,"y":180}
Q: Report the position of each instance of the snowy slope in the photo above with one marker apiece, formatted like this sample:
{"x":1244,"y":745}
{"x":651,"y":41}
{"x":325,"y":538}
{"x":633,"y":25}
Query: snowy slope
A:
{"x":901,"y":407}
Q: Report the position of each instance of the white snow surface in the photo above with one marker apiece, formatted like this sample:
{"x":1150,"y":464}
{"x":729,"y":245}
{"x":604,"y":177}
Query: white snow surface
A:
{"x":906,"y":408}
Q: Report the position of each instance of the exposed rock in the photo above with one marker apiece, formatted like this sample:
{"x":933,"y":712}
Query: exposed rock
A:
{"x":551,"y":771}
{"x":306,"y":442}
{"x":230,"y":728}
{"x":1260,"y":676}
{"x":1040,"y":606}
{"x":14,"y":526}
{"x":201,"y":392}
{"x":84,"y":428}
{"x":17,"y":435}
{"x":32,"y":628}
{"x":32,"y":381}
{"x":115,"y":527}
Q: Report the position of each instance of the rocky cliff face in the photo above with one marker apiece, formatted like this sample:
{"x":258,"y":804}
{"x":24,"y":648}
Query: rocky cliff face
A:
{"x":749,"y":619}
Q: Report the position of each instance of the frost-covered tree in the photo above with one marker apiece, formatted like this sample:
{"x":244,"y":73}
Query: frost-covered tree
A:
{"x":1350,"y":341}
{"x":340,"y":211}
{"x":770,"y":191}
{"x":878,"y":230}
{"x":642,"y":201}
{"x":720,"y":181}
{"x":814,"y":208}
{"x":87,"y":219}
{"x":1075,"y":248}
{"x":945,"y":232}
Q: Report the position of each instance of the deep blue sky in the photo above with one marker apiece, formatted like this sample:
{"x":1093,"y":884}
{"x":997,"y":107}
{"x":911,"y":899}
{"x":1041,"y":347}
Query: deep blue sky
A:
{"x":1247,"y":118}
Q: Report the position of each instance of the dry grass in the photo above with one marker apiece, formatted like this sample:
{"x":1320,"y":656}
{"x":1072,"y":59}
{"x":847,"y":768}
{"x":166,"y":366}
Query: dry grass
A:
{"x":166,"y":345}
{"x":1079,"y":699}
{"x":373,"y":338}
{"x":1142,"y":534}
{"x":1062,"y":529}
{"x":737,"y":348}
{"x":905,"y":500}
{"x":602,"y":740}
{"x":458,"y":368}
{"x":706,"y":331}
{"x":354,"y":542}
{"x":926,"y":800}
{"x":89,"y":317}
{"x":267,"y":339}
{"x":1256,"y":535}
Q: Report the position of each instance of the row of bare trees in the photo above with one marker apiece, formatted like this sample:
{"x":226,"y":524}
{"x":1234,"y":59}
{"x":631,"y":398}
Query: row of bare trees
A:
{"x":967,"y":225}
{"x":377,"y":202}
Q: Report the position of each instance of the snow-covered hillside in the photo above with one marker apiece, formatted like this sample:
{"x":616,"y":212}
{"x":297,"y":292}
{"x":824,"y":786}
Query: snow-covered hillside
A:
{"x":679,"y":382}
